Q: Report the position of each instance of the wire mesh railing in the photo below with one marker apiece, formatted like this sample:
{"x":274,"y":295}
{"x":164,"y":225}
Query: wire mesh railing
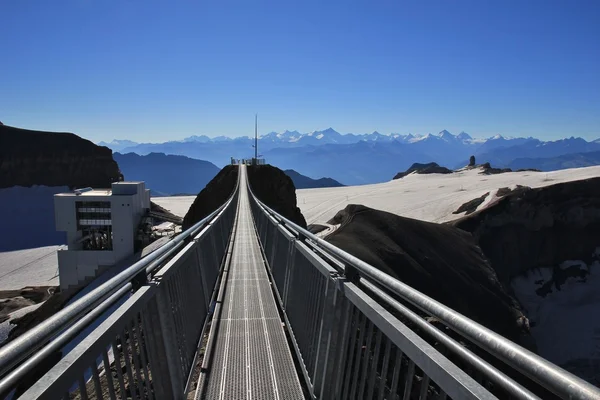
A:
{"x":360,"y":333}
{"x":147,"y":346}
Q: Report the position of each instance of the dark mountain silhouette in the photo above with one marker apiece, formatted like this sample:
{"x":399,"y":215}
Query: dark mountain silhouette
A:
{"x":29,"y":158}
{"x":304,"y":182}
{"x":167,"y":174}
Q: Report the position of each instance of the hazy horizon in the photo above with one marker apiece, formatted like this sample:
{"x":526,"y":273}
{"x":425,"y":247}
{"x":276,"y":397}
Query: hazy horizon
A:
{"x":147,"y":73}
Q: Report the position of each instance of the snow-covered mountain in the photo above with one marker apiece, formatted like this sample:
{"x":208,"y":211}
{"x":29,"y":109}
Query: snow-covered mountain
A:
{"x":118,"y":144}
{"x":294,"y":138}
{"x":362,"y":158}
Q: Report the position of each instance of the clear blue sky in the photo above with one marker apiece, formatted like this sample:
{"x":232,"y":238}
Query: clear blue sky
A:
{"x":161,"y":70}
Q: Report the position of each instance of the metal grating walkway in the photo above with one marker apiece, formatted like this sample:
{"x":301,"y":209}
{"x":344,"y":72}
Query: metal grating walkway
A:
{"x":251,"y":357}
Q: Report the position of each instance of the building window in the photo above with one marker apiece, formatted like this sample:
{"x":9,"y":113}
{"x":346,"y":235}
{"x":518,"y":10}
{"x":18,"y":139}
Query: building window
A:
{"x":94,"y":220}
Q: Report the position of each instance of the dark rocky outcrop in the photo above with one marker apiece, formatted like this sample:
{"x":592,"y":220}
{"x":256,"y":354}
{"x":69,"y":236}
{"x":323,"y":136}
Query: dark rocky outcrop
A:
{"x":439,"y":260}
{"x":506,"y":191}
{"x":30,"y":158}
{"x":470,"y":206}
{"x":304,"y":182}
{"x":529,"y":170}
{"x":487,"y":169}
{"x":214,"y":194}
{"x":274,"y":188}
{"x":533,"y":228}
{"x":430,"y":168}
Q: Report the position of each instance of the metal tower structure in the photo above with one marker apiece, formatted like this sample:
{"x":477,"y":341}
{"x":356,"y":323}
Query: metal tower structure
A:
{"x":256,"y":138}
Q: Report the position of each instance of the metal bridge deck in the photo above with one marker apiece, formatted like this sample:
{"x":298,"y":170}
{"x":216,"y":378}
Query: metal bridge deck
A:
{"x":251,"y":357}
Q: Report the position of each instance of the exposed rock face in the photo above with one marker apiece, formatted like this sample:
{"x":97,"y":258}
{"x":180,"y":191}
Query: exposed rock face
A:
{"x":544,"y":244}
{"x":431,"y":168}
{"x":274,"y":188}
{"x":216,"y":192}
{"x":439,"y":260}
{"x":540,"y":227}
{"x":30,"y":158}
{"x":488,"y":170}
{"x":472,"y":161}
{"x":470,"y":206}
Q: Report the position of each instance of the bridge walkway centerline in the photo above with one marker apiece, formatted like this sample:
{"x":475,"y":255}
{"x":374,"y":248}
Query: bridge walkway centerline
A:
{"x":251,"y":358}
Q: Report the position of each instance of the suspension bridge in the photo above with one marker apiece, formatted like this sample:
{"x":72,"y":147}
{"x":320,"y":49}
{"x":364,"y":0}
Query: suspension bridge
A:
{"x":245,"y":304}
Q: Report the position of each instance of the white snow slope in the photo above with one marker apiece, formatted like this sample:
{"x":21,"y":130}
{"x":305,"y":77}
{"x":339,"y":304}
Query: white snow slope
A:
{"x":30,"y":267}
{"x":431,"y":197}
{"x":428,"y":197}
{"x":178,"y":205}
{"x":566,"y":324}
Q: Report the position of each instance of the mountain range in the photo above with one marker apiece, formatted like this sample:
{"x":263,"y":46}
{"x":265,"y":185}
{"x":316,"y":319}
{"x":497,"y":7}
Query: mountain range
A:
{"x":565,"y":161}
{"x":163,"y":174}
{"x":361,"y":158}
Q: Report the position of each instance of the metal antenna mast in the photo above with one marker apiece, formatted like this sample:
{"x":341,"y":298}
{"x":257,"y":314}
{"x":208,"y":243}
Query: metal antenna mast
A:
{"x":256,"y":138}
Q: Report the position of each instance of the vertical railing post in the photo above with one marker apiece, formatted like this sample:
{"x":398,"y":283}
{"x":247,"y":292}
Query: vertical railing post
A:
{"x":332,"y":322}
{"x":202,"y":273}
{"x":166,"y":343}
{"x":337,"y":358}
{"x":289,"y":270}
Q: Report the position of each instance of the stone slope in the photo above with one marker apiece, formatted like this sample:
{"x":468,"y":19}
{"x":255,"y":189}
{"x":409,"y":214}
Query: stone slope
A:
{"x":532,"y":228}
{"x":214,"y":194}
{"x":276,"y":189}
{"x":439,"y":260}
{"x":29,"y":158}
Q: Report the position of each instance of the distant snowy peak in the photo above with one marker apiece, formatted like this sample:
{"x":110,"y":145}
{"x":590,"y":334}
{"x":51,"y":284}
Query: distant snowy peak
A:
{"x":199,"y":139}
{"x":464,"y":136}
{"x":326,"y":132}
{"x":118,"y":144}
{"x":221,"y":139}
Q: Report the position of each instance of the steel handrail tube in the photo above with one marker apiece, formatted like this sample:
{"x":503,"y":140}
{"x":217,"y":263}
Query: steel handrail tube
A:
{"x":17,"y":350}
{"x":497,"y":377}
{"x":551,"y":376}
{"x":10,"y":380}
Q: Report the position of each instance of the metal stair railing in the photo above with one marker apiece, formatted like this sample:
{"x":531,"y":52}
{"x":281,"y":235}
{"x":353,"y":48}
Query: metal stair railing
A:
{"x":140,"y":331}
{"x":348,"y":324}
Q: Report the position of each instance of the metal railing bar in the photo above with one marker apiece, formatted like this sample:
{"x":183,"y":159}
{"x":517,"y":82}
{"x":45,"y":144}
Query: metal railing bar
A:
{"x":447,"y":375}
{"x":94,"y":344}
{"x":557,"y":380}
{"x":13,"y":377}
{"x":17,"y":350}
{"x":497,"y":377}
{"x":108,"y":374}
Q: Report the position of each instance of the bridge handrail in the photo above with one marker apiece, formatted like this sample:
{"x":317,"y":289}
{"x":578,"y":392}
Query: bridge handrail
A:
{"x":557,"y":380}
{"x":14,"y":352}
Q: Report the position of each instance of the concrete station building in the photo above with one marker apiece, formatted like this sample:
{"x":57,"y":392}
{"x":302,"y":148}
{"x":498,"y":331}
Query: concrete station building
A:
{"x":101,"y":226}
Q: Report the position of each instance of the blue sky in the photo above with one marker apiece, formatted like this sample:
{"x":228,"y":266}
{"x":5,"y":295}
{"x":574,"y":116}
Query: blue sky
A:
{"x":161,"y":70}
